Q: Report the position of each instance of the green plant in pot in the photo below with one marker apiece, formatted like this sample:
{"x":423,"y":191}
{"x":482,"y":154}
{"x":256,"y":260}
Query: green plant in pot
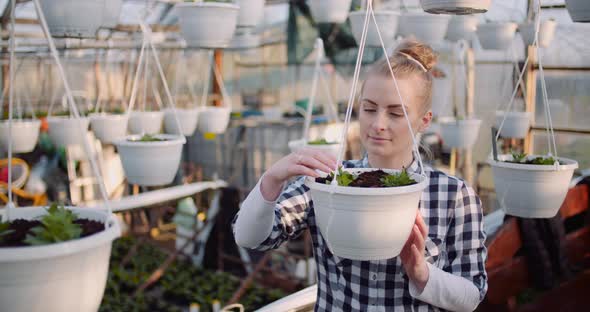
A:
{"x":375,"y":178}
{"x":521,"y":158}
{"x":321,"y":141}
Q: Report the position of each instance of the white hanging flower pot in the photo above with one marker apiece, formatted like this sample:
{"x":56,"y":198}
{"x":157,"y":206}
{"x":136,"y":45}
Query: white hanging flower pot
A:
{"x":332,"y":148}
{"x":516,"y":124}
{"x":214,"y":119}
{"x":455,"y":6}
{"x":150,"y":163}
{"x":362,"y":223}
{"x":65,"y":130}
{"x":109,"y":127}
{"x":579,"y":10}
{"x":329,"y":11}
{"x":145,"y":122}
{"x":428,"y":28}
{"x":112,"y":11}
{"x":462,"y":27}
{"x":459,"y":133}
{"x":387,"y":21}
{"x":531,"y":191}
{"x":251,"y":12}
{"x":187,"y":117}
{"x":546,"y":33}
{"x":73,"y":18}
{"x":496,"y":36}
{"x":67,"y":276}
{"x":207,"y":24}
{"x":25,"y":134}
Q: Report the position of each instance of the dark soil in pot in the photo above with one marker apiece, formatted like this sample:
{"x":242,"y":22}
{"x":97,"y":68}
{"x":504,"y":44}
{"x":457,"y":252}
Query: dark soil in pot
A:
{"x":20,"y":228}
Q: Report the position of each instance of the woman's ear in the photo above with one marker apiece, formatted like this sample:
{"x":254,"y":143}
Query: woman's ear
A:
{"x":425,"y":121}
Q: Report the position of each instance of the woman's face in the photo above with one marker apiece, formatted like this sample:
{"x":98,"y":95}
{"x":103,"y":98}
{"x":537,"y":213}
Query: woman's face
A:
{"x":383,"y":127}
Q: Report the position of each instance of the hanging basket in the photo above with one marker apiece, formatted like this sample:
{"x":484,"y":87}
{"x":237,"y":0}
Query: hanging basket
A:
{"x":459,"y":7}
{"x":207,"y":24}
{"x":251,"y":12}
{"x":579,"y":10}
{"x":187,"y":117}
{"x":546,"y":33}
{"x":73,"y":18}
{"x":366,"y":223}
{"x":332,"y":149}
{"x":150,"y":163}
{"x":68,"y":276}
{"x":516,"y":125}
{"x":531,"y":191}
{"x":428,"y":28}
{"x":25,"y":134}
{"x":109,"y":127}
{"x":387,"y":21}
{"x":214,"y":119}
{"x":112,"y":11}
{"x":329,"y":11}
{"x":145,"y":122}
{"x":462,"y":27}
{"x":496,"y":36}
{"x":459,"y":133}
{"x":65,"y":130}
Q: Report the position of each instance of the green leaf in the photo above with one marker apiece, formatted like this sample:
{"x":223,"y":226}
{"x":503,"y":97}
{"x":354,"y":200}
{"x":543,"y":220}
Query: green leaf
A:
{"x":398,"y":179}
{"x":320,"y":142}
{"x":518,"y":157}
{"x":543,"y":161}
{"x":344,"y":178}
{"x":4,"y":229}
{"x":56,"y":226}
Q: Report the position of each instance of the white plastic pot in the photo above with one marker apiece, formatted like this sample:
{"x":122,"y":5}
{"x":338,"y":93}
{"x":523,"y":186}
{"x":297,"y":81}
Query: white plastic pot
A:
{"x":455,"y":6}
{"x":25,"y":134}
{"x":150,"y":163}
{"x":516,"y":124}
{"x":145,"y":122}
{"x":333,"y":149}
{"x":546,"y":33}
{"x":214,"y":119}
{"x":362,"y":223}
{"x":65,"y":130}
{"x":251,"y":12}
{"x":429,"y":28}
{"x":462,"y":27}
{"x":187,"y":117}
{"x":459,"y":133}
{"x":68,"y":276}
{"x":329,"y":11}
{"x":496,"y":36}
{"x":109,"y":127}
{"x":112,"y":11}
{"x":207,"y":24}
{"x":73,"y":18}
{"x":387,"y":21}
{"x":531,"y":191}
{"x":579,"y":10}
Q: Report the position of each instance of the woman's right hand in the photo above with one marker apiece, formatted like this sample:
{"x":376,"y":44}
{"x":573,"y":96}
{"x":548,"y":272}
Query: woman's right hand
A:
{"x":303,"y":162}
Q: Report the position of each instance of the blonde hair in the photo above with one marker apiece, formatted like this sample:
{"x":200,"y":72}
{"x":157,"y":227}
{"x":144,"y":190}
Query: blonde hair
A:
{"x":411,"y":57}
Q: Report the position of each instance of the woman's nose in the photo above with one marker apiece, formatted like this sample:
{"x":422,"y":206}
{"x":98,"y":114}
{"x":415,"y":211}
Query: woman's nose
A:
{"x":380,"y":123}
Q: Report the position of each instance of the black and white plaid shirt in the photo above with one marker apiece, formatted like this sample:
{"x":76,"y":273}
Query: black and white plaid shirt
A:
{"x":455,"y":244}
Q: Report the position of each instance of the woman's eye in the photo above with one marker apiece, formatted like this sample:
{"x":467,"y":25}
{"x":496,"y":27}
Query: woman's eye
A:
{"x":395,"y":115}
{"x":369,"y":110}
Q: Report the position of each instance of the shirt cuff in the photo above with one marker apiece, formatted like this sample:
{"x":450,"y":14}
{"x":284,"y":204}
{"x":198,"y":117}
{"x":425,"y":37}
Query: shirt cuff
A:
{"x":255,"y":219}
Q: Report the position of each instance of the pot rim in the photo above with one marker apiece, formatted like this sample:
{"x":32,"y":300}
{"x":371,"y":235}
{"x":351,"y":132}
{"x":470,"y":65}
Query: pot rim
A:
{"x":221,"y":5}
{"x":570,"y":164}
{"x":139,"y":113}
{"x":20,"y":122}
{"x":65,"y":118}
{"x":102,"y":116}
{"x":171,"y":139}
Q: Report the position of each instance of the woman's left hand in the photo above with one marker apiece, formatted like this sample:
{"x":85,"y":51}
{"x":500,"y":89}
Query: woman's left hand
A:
{"x":412,"y":254}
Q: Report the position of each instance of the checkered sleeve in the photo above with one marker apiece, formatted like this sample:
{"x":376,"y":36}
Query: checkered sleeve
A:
{"x":291,"y":213}
{"x":465,"y":240}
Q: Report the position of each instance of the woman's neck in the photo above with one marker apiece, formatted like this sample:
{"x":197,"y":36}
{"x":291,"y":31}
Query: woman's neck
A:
{"x":396,"y":162}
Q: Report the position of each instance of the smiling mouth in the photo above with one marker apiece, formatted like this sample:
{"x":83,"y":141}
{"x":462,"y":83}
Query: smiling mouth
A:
{"x":378,"y":139}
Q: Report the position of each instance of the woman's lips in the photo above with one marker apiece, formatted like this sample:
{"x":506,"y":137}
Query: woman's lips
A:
{"x":378,"y":139}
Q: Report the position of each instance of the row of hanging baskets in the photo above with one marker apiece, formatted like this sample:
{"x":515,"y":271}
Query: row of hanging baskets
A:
{"x":80,"y":18}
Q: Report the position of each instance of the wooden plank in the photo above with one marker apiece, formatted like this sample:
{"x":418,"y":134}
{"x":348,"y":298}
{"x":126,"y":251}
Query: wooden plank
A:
{"x":575,"y":202}
{"x":504,"y":245}
{"x":507,"y":281}
{"x":571,"y":296}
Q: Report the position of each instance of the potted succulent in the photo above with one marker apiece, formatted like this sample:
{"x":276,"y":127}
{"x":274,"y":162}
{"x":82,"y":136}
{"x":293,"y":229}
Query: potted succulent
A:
{"x":386,"y":19}
{"x":496,"y":35}
{"x":24,"y":136}
{"x":329,"y":11}
{"x":109,"y":126}
{"x":209,"y":24}
{"x":55,"y":259}
{"x":322,"y":144}
{"x":462,"y":27}
{"x":150,"y":160}
{"x":74,"y":18}
{"x":65,"y":130}
{"x":369,"y":214}
{"x":251,"y":12}
{"x":459,"y":7}
{"x":579,"y":10}
{"x":532,"y":186}
{"x":187,"y":117}
{"x":516,"y":124}
{"x":546,"y":32}
{"x":429,"y":28}
{"x":459,"y":132}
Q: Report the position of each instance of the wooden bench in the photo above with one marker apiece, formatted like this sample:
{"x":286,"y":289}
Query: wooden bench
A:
{"x":508,"y":274}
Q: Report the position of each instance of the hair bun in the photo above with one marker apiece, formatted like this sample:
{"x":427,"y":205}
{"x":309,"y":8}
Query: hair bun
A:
{"x":420,"y":51}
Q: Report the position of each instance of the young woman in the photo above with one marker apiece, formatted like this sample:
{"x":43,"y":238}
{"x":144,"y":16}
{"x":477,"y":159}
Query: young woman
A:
{"x":441,"y":267}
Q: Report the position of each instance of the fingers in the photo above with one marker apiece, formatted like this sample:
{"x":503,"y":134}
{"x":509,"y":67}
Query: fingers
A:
{"x":299,"y":170}
{"x":418,"y":239}
{"x":326,"y":158}
{"x":421,"y":224}
{"x":311,"y":163}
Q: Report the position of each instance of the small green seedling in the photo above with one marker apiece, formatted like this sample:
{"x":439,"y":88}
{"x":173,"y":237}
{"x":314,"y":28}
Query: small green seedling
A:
{"x":57,"y":226}
{"x":518,"y":157}
{"x":344,"y":178}
{"x":398,"y":179}
{"x":320,"y":142}
{"x":148,"y":138}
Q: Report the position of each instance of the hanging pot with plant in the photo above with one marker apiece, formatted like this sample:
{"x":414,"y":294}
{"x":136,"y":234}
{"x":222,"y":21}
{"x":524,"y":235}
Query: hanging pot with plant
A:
{"x":25,"y":131}
{"x":428,"y":28}
{"x":386,"y":19}
{"x":64,"y":128}
{"x":516,"y":124}
{"x":214,"y":119}
{"x":459,"y":133}
{"x":579,"y":10}
{"x":462,"y":27}
{"x":329,"y":11}
{"x":251,"y":12}
{"x":109,"y":127}
{"x":459,"y":7}
{"x":187,"y":117}
{"x":74,"y":18}
{"x":496,"y":35}
{"x":207,"y":24}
